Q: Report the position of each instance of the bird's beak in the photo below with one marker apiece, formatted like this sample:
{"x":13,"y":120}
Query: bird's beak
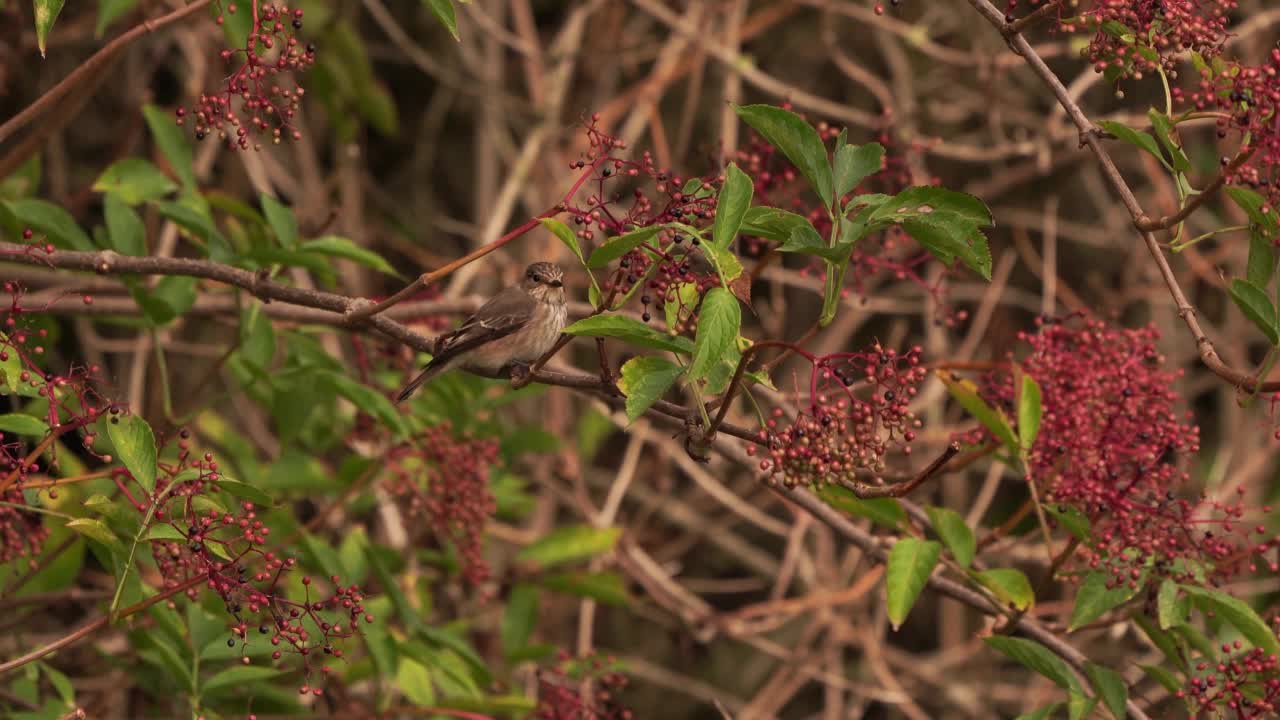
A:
{"x":556,"y":283}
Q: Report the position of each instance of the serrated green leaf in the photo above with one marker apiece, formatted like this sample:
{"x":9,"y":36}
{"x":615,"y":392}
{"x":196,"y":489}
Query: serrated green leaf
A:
{"x":444,"y":12}
{"x":570,"y":544}
{"x":97,"y":530}
{"x":882,"y":511}
{"x":163,"y":532}
{"x":1110,"y":686}
{"x":282,"y":220}
{"x":797,"y":140}
{"x":632,"y":331}
{"x":125,"y":232}
{"x":966,"y":393}
{"x":46,"y":12}
{"x":645,"y":379}
{"x":414,"y":678}
{"x":719,"y":324}
{"x":948,"y":236}
{"x":336,"y":246}
{"x":25,"y":425}
{"x":910,"y":563}
{"x":1035,"y":656}
{"x":1029,"y":412}
{"x":244,"y":491}
{"x":773,"y":223}
{"x":1094,"y":599}
{"x":616,"y":247}
{"x":134,"y":181}
{"x":1075,"y":522}
{"x":1256,"y":306}
{"x":1238,"y":614}
{"x":1171,"y":608}
{"x":238,"y":676}
{"x":853,"y":164}
{"x":173,"y":143}
{"x":1163,"y":676}
{"x":1262,"y":257}
{"x":52,"y":221}
{"x":929,"y":200}
{"x":135,"y":446}
{"x":1135,"y":138}
{"x":1255,"y":206}
{"x":567,"y":236}
{"x":955,"y":533}
{"x":1162,"y":128}
{"x":1009,"y":585}
{"x":731,"y":205}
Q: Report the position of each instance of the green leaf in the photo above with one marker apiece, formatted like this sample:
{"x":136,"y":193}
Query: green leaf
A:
{"x":1171,"y":608}
{"x":282,"y":220}
{"x":606,"y":587}
{"x":172,"y":296}
{"x":731,"y":205}
{"x":200,"y":225}
{"x":833,"y":288}
{"x":678,"y":306}
{"x":1079,"y":705}
{"x":135,"y":447}
{"x":1256,"y":207}
{"x":163,"y":532}
{"x":1010,"y":586}
{"x":1262,"y":257}
{"x":46,"y":12}
{"x":566,"y":236}
{"x":1238,"y":614}
{"x":953,"y":530}
{"x":342,"y":247}
{"x":632,"y":331}
{"x":948,"y":236}
{"x":98,"y":530}
{"x":645,"y":379}
{"x":882,"y":511}
{"x":910,"y":563}
{"x":238,"y":676}
{"x":719,"y":324}
{"x":853,"y":164}
{"x":172,"y":142}
{"x":569,"y":544}
{"x":520,"y":618}
{"x":109,"y":11}
{"x":1029,"y":411}
{"x":1162,"y":127}
{"x":1133,"y":137}
{"x":616,"y":247}
{"x":805,"y":239}
{"x":1256,"y":306}
{"x":725,"y":262}
{"x":1040,"y":713}
{"x":125,"y":232}
{"x":51,"y":220}
{"x":11,"y":370}
{"x":244,"y":491}
{"x":1076,"y":522}
{"x":257,"y":337}
{"x":366,"y":399}
{"x":23,"y":425}
{"x":1110,"y":686}
{"x":1035,"y":656}
{"x":928,"y":200}
{"x":443,"y":10}
{"x":135,"y":181}
{"x":1094,"y":599}
{"x":1166,"y":678}
{"x":773,"y":224}
{"x":797,"y":140}
{"x":414,"y":679}
{"x":966,"y":393}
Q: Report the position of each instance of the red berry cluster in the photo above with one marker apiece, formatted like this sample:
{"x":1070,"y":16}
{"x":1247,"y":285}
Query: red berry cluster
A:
{"x":456,"y":500}
{"x":1243,"y":684}
{"x":266,"y":103}
{"x":226,"y":548}
{"x":1112,"y":445}
{"x":1137,"y":36}
{"x":858,"y":411}
{"x":560,"y":691}
{"x":1247,"y":101}
{"x":661,"y":268}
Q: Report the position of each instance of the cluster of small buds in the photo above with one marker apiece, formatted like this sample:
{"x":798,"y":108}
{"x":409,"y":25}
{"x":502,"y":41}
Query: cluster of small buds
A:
{"x":257,"y":101}
{"x":1133,"y":37}
{"x":456,"y":500}
{"x":560,"y":691}
{"x":1247,"y":101}
{"x":1112,"y":444}
{"x":1243,"y":684}
{"x":859,"y":411}
{"x":226,"y":548}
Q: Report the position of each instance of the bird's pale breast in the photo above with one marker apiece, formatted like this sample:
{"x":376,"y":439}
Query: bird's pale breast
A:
{"x":526,"y":344}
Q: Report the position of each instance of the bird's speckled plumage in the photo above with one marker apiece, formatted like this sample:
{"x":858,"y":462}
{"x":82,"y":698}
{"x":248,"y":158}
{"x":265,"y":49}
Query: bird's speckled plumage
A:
{"x":518,"y":325}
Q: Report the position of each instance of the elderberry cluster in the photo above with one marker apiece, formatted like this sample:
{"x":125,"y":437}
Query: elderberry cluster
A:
{"x":1113,"y":445}
{"x":1132,"y":37}
{"x":859,"y":410}
{"x":1245,"y":684}
{"x":456,"y":498}
{"x":560,"y":691}
{"x":257,"y":100}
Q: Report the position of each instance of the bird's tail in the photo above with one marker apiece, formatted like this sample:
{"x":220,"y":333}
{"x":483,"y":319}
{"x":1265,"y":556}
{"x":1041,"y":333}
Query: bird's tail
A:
{"x":431,"y":370}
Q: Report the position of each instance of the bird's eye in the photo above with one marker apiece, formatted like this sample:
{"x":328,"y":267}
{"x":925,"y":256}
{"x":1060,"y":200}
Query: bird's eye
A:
{"x":535,"y":277}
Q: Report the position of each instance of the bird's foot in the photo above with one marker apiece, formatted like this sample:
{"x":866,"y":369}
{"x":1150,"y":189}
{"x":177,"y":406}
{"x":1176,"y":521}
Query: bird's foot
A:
{"x":521,"y":375}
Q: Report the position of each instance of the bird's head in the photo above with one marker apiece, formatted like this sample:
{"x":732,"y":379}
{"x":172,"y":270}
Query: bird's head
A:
{"x":545,"y":282}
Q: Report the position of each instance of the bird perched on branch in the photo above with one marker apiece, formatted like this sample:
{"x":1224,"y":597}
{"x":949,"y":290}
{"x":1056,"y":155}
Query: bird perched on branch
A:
{"x":515,"y":327}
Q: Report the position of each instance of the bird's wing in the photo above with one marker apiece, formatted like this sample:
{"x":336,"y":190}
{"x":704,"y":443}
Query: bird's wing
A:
{"x":502,"y":315}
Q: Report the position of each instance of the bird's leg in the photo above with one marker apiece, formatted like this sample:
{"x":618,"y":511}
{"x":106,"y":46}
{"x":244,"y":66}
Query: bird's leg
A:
{"x":521,"y":375}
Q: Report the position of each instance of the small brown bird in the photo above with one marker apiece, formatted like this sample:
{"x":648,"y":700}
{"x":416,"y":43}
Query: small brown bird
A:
{"x":516,"y":326}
